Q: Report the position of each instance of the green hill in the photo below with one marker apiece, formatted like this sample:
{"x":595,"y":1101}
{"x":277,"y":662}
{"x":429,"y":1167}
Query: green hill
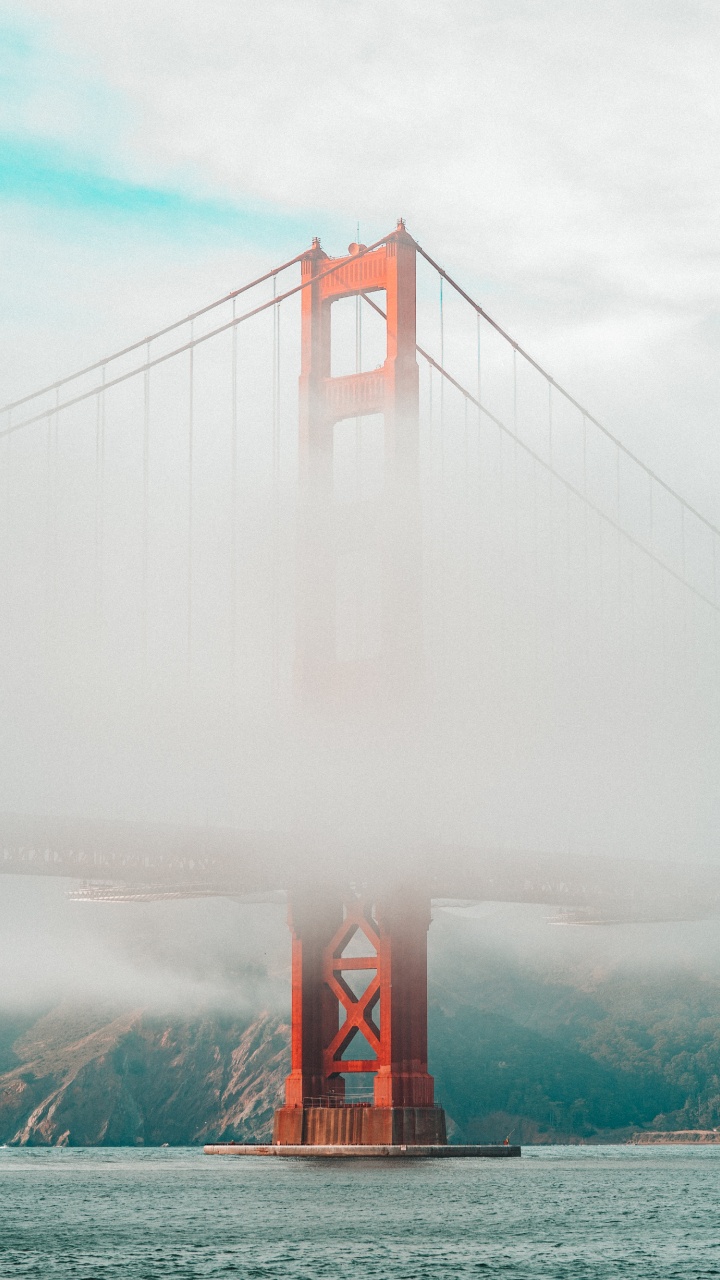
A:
{"x":514,"y":1047}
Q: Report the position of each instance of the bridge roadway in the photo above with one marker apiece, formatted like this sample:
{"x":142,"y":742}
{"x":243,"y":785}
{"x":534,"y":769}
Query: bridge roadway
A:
{"x":132,"y":861}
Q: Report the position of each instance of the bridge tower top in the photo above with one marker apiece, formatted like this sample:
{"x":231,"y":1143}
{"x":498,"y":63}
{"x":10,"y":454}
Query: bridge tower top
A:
{"x":391,"y":390}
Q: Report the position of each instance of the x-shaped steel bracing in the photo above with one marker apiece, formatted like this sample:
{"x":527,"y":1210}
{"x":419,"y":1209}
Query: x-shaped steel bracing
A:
{"x":358,"y":1009}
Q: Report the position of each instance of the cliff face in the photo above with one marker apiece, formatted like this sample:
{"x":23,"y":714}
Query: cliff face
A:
{"x":133,"y":1080}
{"x":85,"y":1078}
{"x":514,"y":1050}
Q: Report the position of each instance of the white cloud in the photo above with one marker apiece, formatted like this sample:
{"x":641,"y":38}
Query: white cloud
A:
{"x":516,"y":124}
{"x":559,"y":157}
{"x":562,"y":157}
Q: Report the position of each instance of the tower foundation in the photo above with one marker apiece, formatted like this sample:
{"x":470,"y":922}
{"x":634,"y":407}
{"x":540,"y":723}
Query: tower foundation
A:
{"x":359,"y":1008}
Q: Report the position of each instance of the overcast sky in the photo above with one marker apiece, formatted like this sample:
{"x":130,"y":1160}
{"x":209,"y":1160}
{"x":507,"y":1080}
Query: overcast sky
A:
{"x":559,"y":156}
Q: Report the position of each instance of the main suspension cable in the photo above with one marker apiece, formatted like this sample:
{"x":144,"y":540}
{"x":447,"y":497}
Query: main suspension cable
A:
{"x":160,"y":333}
{"x":571,"y":488}
{"x":196,"y":342}
{"x":571,"y":399}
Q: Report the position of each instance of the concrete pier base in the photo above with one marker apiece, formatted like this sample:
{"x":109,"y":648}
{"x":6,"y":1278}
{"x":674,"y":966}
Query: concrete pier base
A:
{"x":402,"y":1151}
{"x":359,"y":1125}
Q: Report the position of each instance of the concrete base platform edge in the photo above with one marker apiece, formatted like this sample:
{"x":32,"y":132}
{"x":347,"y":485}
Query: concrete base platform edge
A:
{"x":427,"y":1152}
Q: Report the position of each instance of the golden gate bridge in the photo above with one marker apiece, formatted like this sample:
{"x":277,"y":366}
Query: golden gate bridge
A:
{"x":432,"y":521}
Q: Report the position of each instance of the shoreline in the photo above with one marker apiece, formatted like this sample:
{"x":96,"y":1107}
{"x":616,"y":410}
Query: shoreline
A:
{"x":674,"y":1137}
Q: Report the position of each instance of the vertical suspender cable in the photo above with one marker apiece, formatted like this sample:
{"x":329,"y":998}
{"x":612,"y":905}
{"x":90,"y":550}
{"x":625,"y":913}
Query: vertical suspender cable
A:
{"x":49,"y":542}
{"x":278,"y":493}
{"x":632,"y":614}
{"x":466,"y":453}
{"x":663,"y":632}
{"x":550,"y":425}
{"x":7,"y":518}
{"x":426,"y":478}
{"x":276,"y":318}
{"x":6,"y":509}
{"x":584,"y":447}
{"x":500,"y":525}
{"x":275,"y":646}
{"x":568,"y":575}
{"x":361,"y":559}
{"x":618,"y":542}
{"x":586,"y":568}
{"x":467,"y":539}
{"x":685,"y":601}
{"x":233,"y":502}
{"x":618,"y":537}
{"x":99,"y":508}
{"x":478,"y":393}
{"x":55,"y":560}
{"x":552,"y":538}
{"x":552,"y":522}
{"x":715,"y":620}
{"x":478,"y":368}
{"x":442,"y":575}
{"x":535,"y":563}
{"x":145,"y":506}
{"x":651,"y":543}
{"x":478,"y":390}
{"x":98,"y":505}
{"x":358,"y":369}
{"x":515,"y":567}
{"x":442,"y":386}
{"x":190,"y":443}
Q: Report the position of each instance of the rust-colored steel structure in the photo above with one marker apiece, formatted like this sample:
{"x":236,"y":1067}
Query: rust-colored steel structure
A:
{"x":393,"y":391}
{"x":359,"y":951}
{"x":377,"y":996}
{"x":388,"y":1010}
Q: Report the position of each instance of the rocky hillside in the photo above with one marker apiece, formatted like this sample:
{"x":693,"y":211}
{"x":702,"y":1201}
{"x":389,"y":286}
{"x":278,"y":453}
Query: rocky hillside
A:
{"x":134,"y":1079}
{"x":515,"y":1048}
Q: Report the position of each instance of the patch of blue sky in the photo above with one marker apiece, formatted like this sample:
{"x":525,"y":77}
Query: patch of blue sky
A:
{"x":62,"y":155}
{"x":15,"y":43}
{"x":47,"y":177}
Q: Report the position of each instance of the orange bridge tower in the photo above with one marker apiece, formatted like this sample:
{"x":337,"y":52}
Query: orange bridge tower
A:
{"x":359,"y":958}
{"x":391,"y":390}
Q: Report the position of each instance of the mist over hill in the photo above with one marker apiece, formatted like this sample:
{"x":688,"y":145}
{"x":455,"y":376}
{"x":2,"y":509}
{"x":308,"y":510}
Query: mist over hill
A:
{"x":546,"y":1033}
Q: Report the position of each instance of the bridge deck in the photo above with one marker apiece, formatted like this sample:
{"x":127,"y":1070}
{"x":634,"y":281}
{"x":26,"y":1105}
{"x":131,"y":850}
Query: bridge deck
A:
{"x":135,"y":861}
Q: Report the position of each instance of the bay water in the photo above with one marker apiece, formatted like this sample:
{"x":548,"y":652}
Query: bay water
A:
{"x":584,"y":1213}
